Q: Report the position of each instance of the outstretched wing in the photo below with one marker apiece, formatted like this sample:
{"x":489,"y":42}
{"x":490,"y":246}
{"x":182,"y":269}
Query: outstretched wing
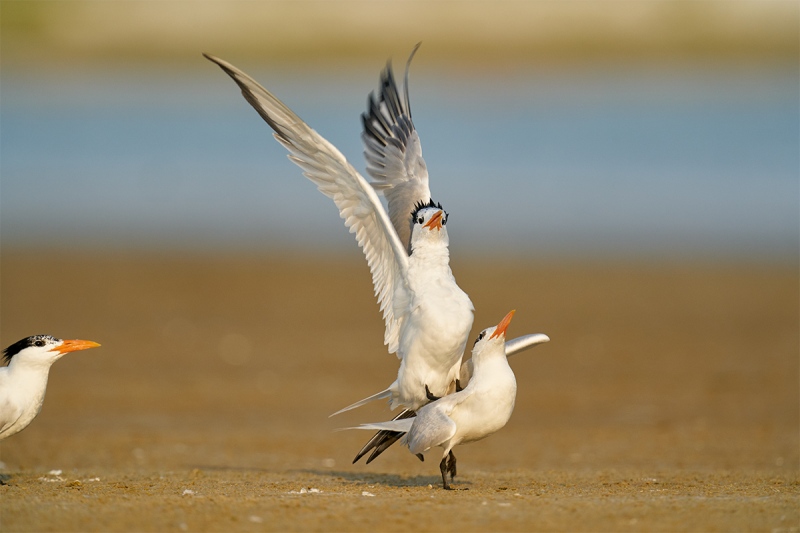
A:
{"x":358,"y":203}
{"x":393,"y":152}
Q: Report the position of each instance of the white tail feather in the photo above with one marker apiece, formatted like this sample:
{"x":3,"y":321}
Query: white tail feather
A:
{"x":379,"y":396}
{"x":403,"y":425}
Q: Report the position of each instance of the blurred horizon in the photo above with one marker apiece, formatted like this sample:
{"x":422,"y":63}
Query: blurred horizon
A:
{"x":500,"y":35}
{"x":632,"y":129}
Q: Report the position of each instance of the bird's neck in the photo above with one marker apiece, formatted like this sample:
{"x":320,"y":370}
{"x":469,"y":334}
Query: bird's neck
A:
{"x":488,"y":359}
{"x":431,"y":252}
{"x":25,"y":368}
{"x":30,"y":377}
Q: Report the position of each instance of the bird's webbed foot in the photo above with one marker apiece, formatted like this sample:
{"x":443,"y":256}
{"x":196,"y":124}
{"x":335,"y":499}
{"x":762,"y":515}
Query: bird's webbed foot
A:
{"x":430,"y":395}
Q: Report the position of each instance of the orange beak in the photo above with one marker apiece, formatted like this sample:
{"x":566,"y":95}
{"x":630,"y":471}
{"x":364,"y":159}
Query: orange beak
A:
{"x":75,"y":345}
{"x":503,"y":325}
{"x":435,"y":221}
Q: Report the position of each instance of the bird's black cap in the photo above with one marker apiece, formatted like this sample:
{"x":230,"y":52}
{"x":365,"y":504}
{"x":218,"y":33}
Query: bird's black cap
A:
{"x":27,"y":342}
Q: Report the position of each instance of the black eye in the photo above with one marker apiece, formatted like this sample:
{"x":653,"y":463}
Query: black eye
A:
{"x":420,"y":220}
{"x":39,"y":343}
{"x":444,"y":221}
{"x":482,"y":335}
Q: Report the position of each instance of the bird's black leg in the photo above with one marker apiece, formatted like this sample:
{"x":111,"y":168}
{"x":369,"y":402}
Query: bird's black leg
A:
{"x":459,"y":388}
{"x":430,"y":395}
{"x":443,"y":469}
{"x":451,"y":464}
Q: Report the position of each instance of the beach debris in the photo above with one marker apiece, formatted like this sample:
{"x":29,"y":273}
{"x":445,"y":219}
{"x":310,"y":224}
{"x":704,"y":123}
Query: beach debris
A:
{"x":305,"y":491}
{"x":54,"y":477}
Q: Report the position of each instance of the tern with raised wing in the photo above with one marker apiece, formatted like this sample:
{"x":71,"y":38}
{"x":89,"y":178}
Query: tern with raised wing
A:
{"x":427,"y":316}
{"x":479,"y":410}
{"x":23,"y":381}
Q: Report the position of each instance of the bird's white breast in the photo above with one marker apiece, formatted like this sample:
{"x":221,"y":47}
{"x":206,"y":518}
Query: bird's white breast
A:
{"x":21,"y":398}
{"x":489,"y":403}
{"x":433,"y":338}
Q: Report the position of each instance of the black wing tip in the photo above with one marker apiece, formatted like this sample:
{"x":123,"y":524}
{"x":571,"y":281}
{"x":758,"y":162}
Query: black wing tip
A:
{"x":217,"y":61}
{"x":383,"y":439}
{"x":390,"y":438}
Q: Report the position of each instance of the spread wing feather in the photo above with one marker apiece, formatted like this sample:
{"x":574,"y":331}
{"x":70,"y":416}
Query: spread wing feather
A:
{"x":358,"y":203}
{"x":393,"y":152}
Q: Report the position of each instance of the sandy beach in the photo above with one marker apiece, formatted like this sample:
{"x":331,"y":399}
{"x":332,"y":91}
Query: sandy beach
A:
{"x":666,"y":401}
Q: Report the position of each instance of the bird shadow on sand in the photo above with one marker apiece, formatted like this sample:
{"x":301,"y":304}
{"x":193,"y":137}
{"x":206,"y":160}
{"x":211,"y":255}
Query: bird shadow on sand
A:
{"x":389,"y":480}
{"x":364,"y":478}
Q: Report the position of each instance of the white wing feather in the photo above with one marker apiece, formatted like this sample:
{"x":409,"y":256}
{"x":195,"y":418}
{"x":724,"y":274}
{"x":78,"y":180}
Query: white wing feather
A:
{"x":393,"y":152}
{"x":431,"y":428}
{"x":358,"y":203}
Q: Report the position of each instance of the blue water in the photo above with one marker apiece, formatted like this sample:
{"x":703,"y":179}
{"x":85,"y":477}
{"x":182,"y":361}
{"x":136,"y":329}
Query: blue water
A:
{"x":641,"y":162}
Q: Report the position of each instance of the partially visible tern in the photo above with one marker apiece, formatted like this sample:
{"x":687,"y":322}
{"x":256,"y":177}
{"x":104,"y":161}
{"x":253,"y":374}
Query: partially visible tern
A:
{"x":24,"y":380}
{"x":427,"y":316}
{"x":480,"y":409}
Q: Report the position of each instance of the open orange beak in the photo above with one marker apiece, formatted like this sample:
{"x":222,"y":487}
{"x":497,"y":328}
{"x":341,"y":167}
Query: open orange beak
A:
{"x":435,"y":221}
{"x":75,"y":345}
{"x":503,"y":325}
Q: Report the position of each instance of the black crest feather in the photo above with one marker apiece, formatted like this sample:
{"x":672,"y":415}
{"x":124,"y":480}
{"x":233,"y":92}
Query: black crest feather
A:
{"x":21,"y":344}
{"x":422,"y":205}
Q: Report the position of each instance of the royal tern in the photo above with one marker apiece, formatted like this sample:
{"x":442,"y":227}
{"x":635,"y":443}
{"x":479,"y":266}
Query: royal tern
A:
{"x":382,"y":440}
{"x":24,"y":380}
{"x":427,"y":316}
{"x":480,"y":409}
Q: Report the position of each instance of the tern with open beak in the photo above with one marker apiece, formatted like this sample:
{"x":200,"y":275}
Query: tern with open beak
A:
{"x":23,"y":381}
{"x":383,"y":439}
{"x":427,"y":316}
{"x":480,"y":409}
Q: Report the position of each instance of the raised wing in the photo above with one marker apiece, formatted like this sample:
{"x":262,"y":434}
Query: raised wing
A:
{"x":358,"y":203}
{"x":514,"y":346}
{"x":393,"y":152}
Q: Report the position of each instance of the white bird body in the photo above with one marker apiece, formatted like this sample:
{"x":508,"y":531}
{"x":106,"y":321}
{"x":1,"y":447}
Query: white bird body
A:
{"x":23,"y":382}
{"x":427,"y":316}
{"x":435,"y":334}
{"x":474,"y":413}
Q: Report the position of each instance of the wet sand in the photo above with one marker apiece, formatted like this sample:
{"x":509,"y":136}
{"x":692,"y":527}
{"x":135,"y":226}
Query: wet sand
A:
{"x":666,"y":401}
